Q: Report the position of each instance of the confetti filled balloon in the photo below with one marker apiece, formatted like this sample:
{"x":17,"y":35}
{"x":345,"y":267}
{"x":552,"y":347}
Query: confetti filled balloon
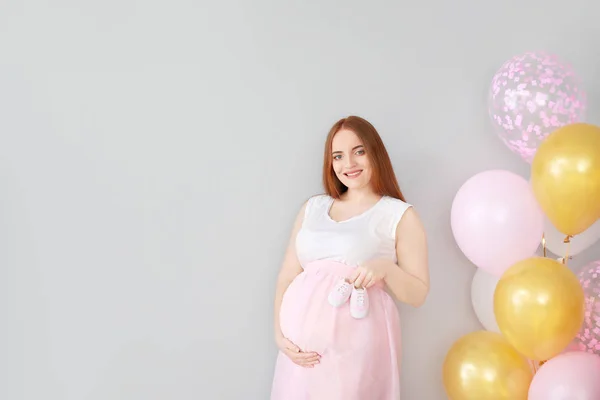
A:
{"x":588,"y":339}
{"x":532,"y":95}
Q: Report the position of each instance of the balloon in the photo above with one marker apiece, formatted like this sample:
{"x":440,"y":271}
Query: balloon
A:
{"x":588,"y":338}
{"x":496,"y":220}
{"x":532,"y":95}
{"x":539,"y":307}
{"x":483,"y":365}
{"x":569,"y":376}
{"x":482,"y":298}
{"x":565,"y":176}
{"x":555,"y":239}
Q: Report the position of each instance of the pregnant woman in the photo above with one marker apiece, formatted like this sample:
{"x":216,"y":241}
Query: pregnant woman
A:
{"x":352,"y":252}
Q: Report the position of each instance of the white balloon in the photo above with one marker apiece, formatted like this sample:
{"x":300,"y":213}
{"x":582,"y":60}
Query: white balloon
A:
{"x":483,"y":287}
{"x":555,"y":239}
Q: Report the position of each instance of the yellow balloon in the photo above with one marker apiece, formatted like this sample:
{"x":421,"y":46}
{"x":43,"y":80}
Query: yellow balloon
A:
{"x":483,"y":365}
{"x":539,"y":307}
{"x":565,"y":177}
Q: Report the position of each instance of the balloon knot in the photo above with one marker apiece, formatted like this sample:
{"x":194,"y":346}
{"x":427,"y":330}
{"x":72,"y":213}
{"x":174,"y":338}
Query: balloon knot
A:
{"x":567,"y":239}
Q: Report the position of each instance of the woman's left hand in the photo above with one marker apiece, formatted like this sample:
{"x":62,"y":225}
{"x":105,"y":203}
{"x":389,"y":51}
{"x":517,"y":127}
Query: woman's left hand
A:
{"x":369,"y":273}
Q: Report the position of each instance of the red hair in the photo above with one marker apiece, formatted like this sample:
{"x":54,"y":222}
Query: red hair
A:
{"x":383,"y":179}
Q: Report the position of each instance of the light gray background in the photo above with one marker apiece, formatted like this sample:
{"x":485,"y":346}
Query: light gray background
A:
{"x":153,"y":156}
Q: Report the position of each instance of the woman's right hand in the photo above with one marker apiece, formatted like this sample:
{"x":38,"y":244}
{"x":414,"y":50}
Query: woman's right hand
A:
{"x":298,"y":357}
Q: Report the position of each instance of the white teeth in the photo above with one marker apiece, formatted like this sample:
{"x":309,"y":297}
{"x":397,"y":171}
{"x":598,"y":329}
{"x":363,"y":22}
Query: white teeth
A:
{"x":354,"y":173}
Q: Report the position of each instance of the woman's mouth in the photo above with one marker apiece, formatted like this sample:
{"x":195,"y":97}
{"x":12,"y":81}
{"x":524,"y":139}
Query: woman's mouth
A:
{"x":353,"y":174}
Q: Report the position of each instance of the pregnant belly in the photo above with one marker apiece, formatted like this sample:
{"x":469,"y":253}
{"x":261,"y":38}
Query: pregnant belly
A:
{"x":306,"y":317}
{"x":310,"y":322}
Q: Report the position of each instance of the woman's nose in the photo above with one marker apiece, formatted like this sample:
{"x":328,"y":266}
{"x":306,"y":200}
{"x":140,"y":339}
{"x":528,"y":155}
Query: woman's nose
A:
{"x":350,"y":162}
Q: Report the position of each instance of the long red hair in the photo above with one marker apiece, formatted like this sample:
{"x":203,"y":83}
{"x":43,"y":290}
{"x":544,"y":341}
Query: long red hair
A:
{"x":383,"y":179}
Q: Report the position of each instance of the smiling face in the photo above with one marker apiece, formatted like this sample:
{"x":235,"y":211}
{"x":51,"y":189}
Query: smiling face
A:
{"x":350,"y":161}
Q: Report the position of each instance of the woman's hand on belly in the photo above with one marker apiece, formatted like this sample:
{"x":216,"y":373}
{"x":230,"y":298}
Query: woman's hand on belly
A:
{"x":294,"y":353}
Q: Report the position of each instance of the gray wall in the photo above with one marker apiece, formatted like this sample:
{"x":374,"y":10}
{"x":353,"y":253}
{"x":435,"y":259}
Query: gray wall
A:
{"x":153,"y":155}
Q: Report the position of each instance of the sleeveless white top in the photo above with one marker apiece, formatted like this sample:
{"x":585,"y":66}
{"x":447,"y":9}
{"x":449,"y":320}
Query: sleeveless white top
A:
{"x":369,"y":235}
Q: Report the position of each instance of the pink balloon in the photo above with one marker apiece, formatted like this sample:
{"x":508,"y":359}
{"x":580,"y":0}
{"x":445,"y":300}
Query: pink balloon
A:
{"x":568,"y":376}
{"x":496,"y":220}
{"x":588,"y":338}
{"x":532,"y":95}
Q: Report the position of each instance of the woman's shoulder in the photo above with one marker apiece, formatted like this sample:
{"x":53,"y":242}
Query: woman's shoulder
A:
{"x":312,"y":203}
{"x":400,"y":211}
{"x":395,"y":205}
{"x":393,"y":211}
{"x":316,"y":200}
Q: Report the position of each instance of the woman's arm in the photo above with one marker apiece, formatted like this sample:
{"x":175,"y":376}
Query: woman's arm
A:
{"x":288,"y":271}
{"x":409,"y":279}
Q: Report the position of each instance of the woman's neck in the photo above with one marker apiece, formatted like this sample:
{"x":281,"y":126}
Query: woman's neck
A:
{"x":360,"y":196}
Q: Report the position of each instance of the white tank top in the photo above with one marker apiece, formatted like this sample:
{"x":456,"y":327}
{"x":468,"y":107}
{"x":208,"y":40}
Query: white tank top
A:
{"x":369,"y":235}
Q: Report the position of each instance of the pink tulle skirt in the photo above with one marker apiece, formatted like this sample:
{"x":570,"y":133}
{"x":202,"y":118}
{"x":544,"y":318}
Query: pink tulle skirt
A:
{"x":359,"y":357}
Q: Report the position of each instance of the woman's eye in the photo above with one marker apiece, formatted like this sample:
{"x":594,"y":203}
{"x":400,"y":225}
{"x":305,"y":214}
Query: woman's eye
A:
{"x":337,"y":157}
{"x":360,"y":152}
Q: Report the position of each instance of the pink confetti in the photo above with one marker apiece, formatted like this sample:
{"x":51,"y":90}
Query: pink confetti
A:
{"x":589,"y":335}
{"x":540,"y":94}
